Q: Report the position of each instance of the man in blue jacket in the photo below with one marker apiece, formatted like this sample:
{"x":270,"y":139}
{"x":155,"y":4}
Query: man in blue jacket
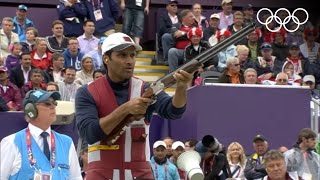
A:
{"x":21,"y":22}
{"x":104,"y":13}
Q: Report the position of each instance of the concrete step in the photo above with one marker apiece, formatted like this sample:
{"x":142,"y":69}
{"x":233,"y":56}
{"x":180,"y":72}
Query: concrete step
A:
{"x":151,"y":69}
{"x":143,"y":61}
{"x":170,"y":91}
{"x":146,"y":54}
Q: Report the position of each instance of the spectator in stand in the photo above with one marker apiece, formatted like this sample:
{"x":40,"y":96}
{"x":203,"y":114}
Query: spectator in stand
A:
{"x":72,"y":13}
{"x":282,"y":149}
{"x":162,"y":168}
{"x":243,"y":56}
{"x":237,"y":25}
{"x":309,"y":80}
{"x":282,"y":79}
{"x":133,"y":17}
{"x":98,"y":73}
{"x":9,"y":92}
{"x":199,"y":18}
{"x":301,"y":64}
{"x":250,"y":76}
{"x":226,"y":16}
{"x":40,"y":57}
{"x":196,"y":47}
{"x":302,"y":157}
{"x":267,"y":66}
{"x":248,"y":15}
{"x":104,"y":13}
{"x":31,"y":35}
{"x":295,"y":37}
{"x":210,"y":33}
{"x":85,"y":75}
{"x":276,"y":168}
{"x":254,"y":44}
{"x":88,"y":42}
{"x":52,"y":86}
{"x":266,"y":34}
{"x":20,"y":74}
{"x":96,"y":55}
{"x":7,"y":37}
{"x":35,"y":83}
{"x":177,"y":150}
{"x":279,"y":47}
{"x":179,"y":33}
{"x":68,"y":87}
{"x":232,"y":72}
{"x":169,"y":142}
{"x":21,"y":22}
{"x":13,"y":59}
{"x":72,"y":55}
{"x":310,"y":49}
{"x":57,"y":42}
{"x":165,"y":25}
{"x":190,"y":144}
{"x":56,"y":72}
{"x":293,"y":78}
{"x":237,"y":160}
{"x":227,"y":53}
{"x":254,"y":167}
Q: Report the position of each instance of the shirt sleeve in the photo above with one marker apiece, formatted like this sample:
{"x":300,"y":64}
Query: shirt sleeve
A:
{"x":75,"y":171}
{"x":87,"y":116}
{"x":10,"y":158}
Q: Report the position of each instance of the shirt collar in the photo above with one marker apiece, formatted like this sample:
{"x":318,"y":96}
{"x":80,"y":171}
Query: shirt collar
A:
{"x":36,"y":57}
{"x":35,"y":131}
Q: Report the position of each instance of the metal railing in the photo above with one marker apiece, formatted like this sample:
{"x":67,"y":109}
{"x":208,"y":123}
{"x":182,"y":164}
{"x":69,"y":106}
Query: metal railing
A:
{"x":315,"y":114}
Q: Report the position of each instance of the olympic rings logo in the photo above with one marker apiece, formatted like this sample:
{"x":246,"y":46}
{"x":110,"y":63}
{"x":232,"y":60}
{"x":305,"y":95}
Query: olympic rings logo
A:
{"x":285,"y":21}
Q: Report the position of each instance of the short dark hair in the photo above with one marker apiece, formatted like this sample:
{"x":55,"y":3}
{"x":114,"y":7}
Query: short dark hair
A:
{"x":53,"y":84}
{"x":306,"y":133}
{"x":35,"y":31}
{"x":273,"y":155}
{"x":24,"y":53}
{"x":72,"y":38}
{"x":55,"y":22}
{"x":56,"y":56}
{"x":87,"y":21}
{"x":36,"y":70}
{"x":192,"y":142}
{"x":98,"y":71}
{"x":70,"y":68}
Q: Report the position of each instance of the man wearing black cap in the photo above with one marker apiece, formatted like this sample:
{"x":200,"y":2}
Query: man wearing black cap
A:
{"x":248,"y":14}
{"x":37,"y":152}
{"x":21,"y":22}
{"x":254,"y":167}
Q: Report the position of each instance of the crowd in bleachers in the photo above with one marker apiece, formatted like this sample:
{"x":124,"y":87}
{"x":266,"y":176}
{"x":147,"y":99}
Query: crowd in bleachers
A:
{"x":72,"y":57}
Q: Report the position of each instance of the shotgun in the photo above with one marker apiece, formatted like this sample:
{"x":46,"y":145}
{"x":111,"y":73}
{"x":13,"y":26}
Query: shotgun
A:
{"x":165,"y":82}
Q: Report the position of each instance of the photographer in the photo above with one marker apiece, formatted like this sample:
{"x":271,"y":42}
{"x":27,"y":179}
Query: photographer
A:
{"x":214,"y":161}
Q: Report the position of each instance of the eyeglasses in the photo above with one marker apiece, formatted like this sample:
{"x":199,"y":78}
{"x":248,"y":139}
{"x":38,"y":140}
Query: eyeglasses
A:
{"x":49,"y":103}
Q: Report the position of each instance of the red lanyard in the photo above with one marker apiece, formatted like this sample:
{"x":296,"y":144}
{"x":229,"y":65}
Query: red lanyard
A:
{"x":204,"y":164}
{"x":165,"y":170}
{"x":93,"y":6}
{"x":30,"y":155}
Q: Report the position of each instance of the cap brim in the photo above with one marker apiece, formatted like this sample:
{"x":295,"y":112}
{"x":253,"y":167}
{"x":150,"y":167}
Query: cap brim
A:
{"x":55,"y":95}
{"x":172,"y":2}
{"x":126,"y":45}
{"x":258,"y":139}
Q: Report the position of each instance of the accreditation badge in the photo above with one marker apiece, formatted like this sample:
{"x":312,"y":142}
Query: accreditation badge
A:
{"x":98,"y":15}
{"x":38,"y":175}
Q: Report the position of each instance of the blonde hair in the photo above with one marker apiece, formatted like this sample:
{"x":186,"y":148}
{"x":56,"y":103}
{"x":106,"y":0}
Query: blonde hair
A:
{"x":242,"y":158}
{"x":237,"y":13}
{"x":241,"y":48}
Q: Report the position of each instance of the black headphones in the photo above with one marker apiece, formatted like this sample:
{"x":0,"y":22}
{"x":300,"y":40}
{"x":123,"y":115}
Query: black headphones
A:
{"x":30,"y":108}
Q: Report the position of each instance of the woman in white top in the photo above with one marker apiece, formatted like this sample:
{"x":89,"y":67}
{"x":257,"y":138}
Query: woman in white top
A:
{"x":237,"y":160}
{"x":85,"y":75}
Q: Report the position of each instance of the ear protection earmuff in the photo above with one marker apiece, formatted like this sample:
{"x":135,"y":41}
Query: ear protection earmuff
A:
{"x":30,"y":108}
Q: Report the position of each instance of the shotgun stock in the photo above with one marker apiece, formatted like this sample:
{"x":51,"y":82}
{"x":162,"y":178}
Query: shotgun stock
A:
{"x":168,"y":80}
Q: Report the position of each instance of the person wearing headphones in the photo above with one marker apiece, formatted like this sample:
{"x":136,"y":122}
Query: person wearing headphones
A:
{"x":37,"y":152}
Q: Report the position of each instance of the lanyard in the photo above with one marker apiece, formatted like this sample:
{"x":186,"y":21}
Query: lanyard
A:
{"x":30,"y":155}
{"x":165,"y":170}
{"x":204,"y":164}
{"x":96,"y":6}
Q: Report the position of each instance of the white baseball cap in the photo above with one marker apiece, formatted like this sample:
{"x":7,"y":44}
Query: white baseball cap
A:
{"x":176,"y":144}
{"x":159,"y":143}
{"x":226,"y":2}
{"x":118,"y":42}
{"x":217,"y":16}
{"x":307,"y":78}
